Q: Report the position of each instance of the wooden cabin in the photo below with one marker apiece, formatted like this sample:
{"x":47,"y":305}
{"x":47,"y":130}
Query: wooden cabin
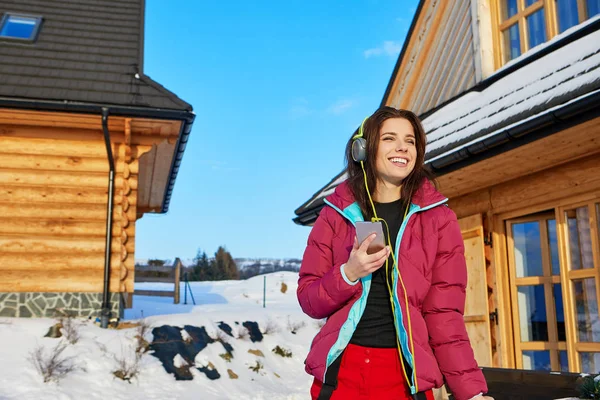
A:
{"x":73,"y":94}
{"x":509,"y":95}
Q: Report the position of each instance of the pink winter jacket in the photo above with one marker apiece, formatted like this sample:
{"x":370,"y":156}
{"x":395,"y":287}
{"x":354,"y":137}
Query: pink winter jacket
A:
{"x":432,"y":265}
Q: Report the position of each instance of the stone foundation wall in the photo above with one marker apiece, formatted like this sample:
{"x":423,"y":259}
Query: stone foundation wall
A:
{"x":83,"y":305}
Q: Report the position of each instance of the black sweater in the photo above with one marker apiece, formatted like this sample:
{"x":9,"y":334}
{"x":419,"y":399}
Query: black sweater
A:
{"x":376,"y":326}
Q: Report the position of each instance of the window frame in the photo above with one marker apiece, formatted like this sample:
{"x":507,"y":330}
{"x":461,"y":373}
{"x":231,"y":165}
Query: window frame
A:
{"x":574,"y":345}
{"x":36,"y":30}
{"x":550,"y":19}
{"x":547,"y":280}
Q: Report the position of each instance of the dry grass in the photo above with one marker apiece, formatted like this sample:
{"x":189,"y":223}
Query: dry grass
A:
{"x":256,"y":368}
{"x":143,"y":328}
{"x":128,"y":364}
{"x":54,"y":366}
{"x":271,"y":327}
{"x":70,"y":328}
{"x":242,"y":333}
{"x":294,"y":327}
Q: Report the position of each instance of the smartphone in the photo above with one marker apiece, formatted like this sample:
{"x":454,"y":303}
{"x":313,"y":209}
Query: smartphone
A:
{"x":364,"y":229}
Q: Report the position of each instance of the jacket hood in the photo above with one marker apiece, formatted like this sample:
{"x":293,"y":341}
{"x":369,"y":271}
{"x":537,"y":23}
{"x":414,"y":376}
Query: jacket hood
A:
{"x":426,"y":195}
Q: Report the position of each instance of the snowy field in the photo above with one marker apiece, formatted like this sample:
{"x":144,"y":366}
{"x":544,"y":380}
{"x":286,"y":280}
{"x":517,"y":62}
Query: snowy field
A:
{"x":97,"y":352}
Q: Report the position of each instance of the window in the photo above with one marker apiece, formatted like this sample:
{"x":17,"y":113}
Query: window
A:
{"x":540,"y":339}
{"x":572,"y":12}
{"x":524,"y":24}
{"x":19,"y":27}
{"x":554,"y":276}
{"x":581,"y":231}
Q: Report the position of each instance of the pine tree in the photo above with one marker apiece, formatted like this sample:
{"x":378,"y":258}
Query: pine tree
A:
{"x":202,"y":270}
{"x":224,"y":266}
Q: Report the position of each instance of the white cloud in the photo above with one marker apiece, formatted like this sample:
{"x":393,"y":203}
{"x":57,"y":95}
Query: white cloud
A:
{"x":388,"y":48}
{"x":299,"y":111}
{"x":300,"y":108}
{"x":340,"y":106}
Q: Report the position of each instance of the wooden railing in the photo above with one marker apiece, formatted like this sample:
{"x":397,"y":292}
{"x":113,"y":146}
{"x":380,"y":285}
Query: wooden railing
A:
{"x":171,"y":274}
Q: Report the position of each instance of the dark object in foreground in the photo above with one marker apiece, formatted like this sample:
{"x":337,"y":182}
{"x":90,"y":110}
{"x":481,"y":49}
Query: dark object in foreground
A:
{"x":168,"y":342}
{"x":255,"y":333}
{"x":516,"y":384}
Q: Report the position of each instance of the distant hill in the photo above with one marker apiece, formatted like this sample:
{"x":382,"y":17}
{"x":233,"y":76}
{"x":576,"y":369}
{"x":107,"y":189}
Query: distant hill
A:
{"x":248,"y":267}
{"x":255,"y":266}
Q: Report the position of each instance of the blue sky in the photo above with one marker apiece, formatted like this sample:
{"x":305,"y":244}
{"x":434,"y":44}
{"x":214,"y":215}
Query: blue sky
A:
{"x":278,"y":87}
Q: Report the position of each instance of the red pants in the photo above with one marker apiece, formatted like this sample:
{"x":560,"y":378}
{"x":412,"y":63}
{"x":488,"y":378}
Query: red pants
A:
{"x":369,"y":373}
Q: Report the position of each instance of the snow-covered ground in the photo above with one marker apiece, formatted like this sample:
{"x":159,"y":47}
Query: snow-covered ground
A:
{"x":229,"y":301}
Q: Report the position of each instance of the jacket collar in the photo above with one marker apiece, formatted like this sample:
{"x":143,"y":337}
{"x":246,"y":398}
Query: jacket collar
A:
{"x":425,"y":196}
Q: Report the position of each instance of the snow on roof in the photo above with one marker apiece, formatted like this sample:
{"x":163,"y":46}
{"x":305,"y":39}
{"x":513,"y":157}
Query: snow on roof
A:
{"x":560,"y":76}
{"x":326,"y":191}
{"x":556,"y":79}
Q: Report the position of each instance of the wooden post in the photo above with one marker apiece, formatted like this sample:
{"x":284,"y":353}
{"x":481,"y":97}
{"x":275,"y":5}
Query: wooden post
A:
{"x":177,"y":278}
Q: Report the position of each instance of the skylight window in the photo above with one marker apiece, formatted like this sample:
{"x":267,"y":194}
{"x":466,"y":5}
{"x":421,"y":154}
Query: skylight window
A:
{"x":19,"y":27}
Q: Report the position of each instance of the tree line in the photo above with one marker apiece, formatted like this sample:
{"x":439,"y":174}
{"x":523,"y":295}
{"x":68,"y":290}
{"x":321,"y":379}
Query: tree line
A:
{"x":221,"y":267}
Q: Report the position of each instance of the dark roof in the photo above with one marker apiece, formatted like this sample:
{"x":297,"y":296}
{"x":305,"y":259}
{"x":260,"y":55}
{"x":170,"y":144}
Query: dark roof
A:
{"x":523,"y":101}
{"x":86,"y":51}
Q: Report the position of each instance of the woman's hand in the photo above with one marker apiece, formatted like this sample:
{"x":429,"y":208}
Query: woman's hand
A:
{"x":360,"y":263}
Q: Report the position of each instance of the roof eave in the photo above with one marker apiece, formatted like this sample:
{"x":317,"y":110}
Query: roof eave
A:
{"x":186,"y":116}
{"x":554,"y":121}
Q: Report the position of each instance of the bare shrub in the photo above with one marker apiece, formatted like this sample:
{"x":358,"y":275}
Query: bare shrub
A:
{"x":54,"y":366}
{"x":70,"y":329}
{"x":295,"y":326}
{"x":128,"y":364}
{"x":270,"y":327}
{"x":141,"y":331}
{"x":242,"y":333}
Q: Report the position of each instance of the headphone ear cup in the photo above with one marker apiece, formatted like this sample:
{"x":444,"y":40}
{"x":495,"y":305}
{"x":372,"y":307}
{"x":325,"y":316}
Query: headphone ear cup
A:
{"x":359,"y":150}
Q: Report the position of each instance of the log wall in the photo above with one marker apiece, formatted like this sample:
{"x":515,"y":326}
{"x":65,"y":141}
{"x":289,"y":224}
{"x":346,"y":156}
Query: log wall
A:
{"x":53,"y":196}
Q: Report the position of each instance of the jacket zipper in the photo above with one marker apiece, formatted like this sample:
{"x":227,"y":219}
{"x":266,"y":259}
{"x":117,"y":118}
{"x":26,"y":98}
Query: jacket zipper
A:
{"x":396,"y":275}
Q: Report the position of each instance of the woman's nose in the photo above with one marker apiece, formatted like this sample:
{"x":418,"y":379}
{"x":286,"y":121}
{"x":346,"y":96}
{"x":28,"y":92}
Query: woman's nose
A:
{"x":402,"y":147}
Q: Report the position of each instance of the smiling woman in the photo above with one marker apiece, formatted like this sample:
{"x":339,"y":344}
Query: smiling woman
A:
{"x":395,"y":331}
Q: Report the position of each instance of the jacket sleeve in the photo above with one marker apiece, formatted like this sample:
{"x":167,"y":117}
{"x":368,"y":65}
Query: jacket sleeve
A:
{"x":443,"y":311}
{"x":322,"y":289}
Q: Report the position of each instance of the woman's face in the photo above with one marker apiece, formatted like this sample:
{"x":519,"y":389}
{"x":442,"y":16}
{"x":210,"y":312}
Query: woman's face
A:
{"x":397,"y":151}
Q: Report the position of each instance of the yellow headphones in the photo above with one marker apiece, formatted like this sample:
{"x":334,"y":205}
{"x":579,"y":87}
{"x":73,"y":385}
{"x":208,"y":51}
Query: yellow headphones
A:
{"x":359,"y":154}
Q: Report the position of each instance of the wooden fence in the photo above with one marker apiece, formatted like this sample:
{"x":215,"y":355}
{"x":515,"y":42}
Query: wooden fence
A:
{"x":171,"y":274}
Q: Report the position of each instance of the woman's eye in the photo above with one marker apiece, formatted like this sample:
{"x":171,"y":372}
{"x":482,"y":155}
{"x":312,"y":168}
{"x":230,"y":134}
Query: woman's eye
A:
{"x":388,"y":138}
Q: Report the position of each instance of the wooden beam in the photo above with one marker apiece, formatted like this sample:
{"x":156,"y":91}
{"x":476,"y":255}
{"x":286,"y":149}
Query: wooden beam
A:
{"x":142,"y":126}
{"x":50,"y":163}
{"x":23,"y":194}
{"x":60,"y":179}
{"x":558,"y":149}
{"x":160,"y":293}
{"x":56,"y":244}
{"x":57,"y":227}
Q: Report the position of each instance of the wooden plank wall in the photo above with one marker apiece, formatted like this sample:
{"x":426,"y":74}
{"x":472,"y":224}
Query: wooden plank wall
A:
{"x":440,"y":59}
{"x":53,"y":196}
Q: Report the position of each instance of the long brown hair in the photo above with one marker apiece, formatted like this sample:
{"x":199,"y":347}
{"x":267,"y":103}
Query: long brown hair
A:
{"x":371,"y":130}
